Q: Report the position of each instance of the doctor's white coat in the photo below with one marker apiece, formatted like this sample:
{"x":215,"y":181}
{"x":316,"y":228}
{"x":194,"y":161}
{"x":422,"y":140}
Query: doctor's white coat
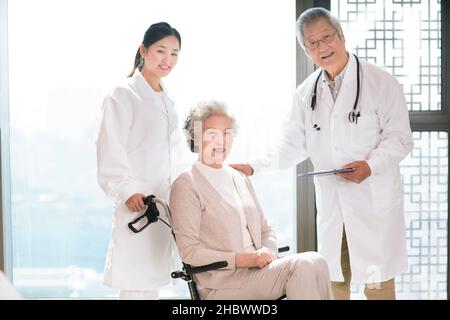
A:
{"x":138,"y":151}
{"x":371,"y":211}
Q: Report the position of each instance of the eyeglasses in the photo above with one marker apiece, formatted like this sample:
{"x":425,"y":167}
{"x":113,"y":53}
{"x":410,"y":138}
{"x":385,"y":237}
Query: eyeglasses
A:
{"x":327,"y":38}
{"x":215,"y":134}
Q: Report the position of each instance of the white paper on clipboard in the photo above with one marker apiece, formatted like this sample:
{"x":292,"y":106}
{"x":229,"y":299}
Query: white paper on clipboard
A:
{"x":325,"y":172}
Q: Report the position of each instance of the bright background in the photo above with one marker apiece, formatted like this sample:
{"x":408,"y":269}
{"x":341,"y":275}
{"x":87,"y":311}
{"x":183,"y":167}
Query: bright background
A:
{"x":66,"y":55}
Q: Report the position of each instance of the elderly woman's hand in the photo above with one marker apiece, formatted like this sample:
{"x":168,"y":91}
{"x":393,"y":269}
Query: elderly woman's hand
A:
{"x":256,"y":259}
{"x":265,"y":257}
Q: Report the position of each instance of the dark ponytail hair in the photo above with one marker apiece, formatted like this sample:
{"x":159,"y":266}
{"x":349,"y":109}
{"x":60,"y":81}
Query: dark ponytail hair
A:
{"x":153,"y":34}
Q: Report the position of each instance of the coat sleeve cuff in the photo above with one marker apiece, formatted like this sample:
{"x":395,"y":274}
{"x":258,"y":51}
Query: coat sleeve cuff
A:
{"x":375,"y":166}
{"x":127,"y":191}
{"x":230,"y":258}
{"x":254,"y":166}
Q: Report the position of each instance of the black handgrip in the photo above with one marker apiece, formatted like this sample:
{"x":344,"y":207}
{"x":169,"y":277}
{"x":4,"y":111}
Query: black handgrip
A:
{"x":148,"y":199}
{"x":130,"y":224}
{"x":283,"y":249}
{"x":208,"y":267}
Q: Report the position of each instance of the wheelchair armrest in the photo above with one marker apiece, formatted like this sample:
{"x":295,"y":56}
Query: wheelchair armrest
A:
{"x":283,"y":249}
{"x":178,"y":274}
{"x":208,"y":267}
{"x":189,"y":271}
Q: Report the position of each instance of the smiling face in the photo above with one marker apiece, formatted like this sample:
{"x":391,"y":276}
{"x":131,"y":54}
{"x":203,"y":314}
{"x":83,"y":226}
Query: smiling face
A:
{"x":217,"y":139}
{"x":161,"y":57}
{"x":331,"y":56}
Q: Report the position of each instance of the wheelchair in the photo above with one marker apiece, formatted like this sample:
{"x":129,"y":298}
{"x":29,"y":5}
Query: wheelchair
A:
{"x":187,"y":273}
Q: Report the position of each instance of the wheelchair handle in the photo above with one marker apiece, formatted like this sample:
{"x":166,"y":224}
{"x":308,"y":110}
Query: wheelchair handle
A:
{"x":131,"y":226}
{"x":151,"y":213}
{"x":149,"y":199}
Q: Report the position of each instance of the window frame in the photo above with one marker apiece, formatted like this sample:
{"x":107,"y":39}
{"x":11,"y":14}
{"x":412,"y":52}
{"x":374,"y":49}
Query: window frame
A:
{"x":5,"y":214}
{"x":305,"y":194}
{"x":445,"y":103}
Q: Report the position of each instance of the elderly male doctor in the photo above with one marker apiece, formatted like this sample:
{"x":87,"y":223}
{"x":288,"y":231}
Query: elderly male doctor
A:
{"x":360,"y":215}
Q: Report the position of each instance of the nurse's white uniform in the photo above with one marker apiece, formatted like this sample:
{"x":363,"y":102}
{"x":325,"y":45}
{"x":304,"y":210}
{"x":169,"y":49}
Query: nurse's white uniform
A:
{"x":138,"y":151}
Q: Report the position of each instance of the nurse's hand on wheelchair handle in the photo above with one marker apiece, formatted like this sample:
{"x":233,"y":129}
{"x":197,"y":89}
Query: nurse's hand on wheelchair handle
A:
{"x":150,"y":215}
{"x":135,"y":203}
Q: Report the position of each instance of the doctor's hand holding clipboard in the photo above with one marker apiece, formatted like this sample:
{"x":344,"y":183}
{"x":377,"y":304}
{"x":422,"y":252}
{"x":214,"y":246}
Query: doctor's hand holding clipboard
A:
{"x":361,"y":172}
{"x":356,"y":172}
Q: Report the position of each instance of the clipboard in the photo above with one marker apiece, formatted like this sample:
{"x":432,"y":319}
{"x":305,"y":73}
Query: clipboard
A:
{"x":325,"y":172}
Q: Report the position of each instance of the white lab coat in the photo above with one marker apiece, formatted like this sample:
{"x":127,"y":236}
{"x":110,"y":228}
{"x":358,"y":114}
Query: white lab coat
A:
{"x":371,"y":211}
{"x":138,"y":151}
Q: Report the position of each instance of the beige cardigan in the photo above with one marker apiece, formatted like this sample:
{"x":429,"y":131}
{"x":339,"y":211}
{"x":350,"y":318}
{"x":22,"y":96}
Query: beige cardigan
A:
{"x":208,"y":229}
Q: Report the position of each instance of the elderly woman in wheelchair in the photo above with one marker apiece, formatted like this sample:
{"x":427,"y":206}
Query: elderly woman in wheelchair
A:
{"x":216,"y":217}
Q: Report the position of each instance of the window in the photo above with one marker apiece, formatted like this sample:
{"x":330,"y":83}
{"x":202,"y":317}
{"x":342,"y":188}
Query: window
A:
{"x":65,"y":56}
{"x":404,"y":37}
{"x":425,"y":175}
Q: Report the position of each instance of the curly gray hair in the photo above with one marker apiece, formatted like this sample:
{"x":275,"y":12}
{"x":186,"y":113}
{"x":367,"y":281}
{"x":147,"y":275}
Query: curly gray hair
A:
{"x":203,"y":110}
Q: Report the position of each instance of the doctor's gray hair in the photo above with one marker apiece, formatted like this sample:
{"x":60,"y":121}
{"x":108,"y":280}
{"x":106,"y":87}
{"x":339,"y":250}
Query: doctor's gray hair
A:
{"x":203,"y":110}
{"x":311,"y":15}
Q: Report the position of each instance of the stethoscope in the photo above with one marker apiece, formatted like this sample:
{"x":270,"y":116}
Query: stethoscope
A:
{"x":353,"y":115}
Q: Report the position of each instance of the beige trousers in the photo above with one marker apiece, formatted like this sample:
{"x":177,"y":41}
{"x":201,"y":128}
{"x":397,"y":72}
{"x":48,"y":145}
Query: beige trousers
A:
{"x":299,"y":276}
{"x":373,"y":291}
